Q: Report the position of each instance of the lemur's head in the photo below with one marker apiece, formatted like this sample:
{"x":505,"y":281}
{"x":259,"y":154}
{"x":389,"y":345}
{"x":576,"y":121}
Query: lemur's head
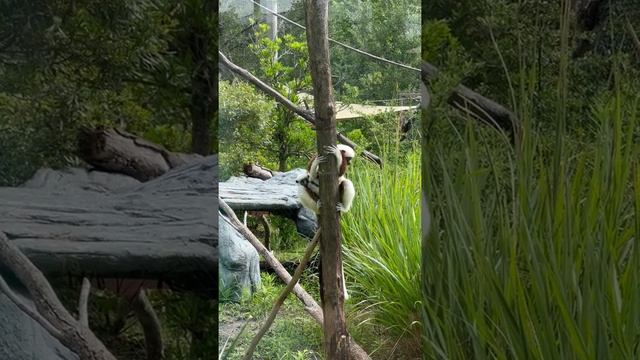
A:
{"x":347,"y":152}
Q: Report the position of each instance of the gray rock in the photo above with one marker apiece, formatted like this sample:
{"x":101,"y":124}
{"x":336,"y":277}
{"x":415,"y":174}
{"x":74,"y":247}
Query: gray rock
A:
{"x":278,"y":195}
{"x":239,"y":265}
{"x":21,"y":338}
{"x":78,"y":223}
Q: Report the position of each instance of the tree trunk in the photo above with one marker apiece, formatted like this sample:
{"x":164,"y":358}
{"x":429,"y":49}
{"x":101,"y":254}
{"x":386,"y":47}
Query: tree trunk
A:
{"x":336,"y":338}
{"x":203,"y":81}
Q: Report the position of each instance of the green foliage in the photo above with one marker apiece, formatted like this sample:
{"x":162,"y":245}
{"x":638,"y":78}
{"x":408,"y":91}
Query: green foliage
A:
{"x":382,"y":251}
{"x":246,"y":127}
{"x":194,"y":322}
{"x":172,"y":137}
{"x":283,"y":65}
{"x":84,"y":63}
{"x":542,"y":268}
{"x":293,"y":335}
{"x":390,"y":29}
{"x":254,"y":129}
{"x":379,"y":133}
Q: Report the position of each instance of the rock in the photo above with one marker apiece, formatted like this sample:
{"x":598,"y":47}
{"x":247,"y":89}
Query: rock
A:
{"x":22,"y":338}
{"x":239,"y":265}
{"x":87,"y":223}
{"x":277,"y":195}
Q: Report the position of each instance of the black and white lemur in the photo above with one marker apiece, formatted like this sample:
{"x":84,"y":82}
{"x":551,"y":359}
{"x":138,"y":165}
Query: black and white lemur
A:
{"x":309,"y":186}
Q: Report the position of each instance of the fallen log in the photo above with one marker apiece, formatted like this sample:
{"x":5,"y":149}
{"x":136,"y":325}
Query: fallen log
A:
{"x":476,"y":105}
{"x":117,"y":151}
{"x":257,"y":171}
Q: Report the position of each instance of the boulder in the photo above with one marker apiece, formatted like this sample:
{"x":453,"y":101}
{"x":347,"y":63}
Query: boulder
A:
{"x":239,"y":265}
{"x":22,"y":338}
{"x":87,"y":223}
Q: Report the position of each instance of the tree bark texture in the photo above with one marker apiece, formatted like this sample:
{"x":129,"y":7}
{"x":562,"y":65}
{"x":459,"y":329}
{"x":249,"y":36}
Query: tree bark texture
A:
{"x":257,"y":171}
{"x":336,"y":337}
{"x":150,"y":326}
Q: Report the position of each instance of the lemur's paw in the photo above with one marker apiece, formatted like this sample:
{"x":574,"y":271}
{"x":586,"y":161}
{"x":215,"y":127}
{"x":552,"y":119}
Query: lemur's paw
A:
{"x":329,"y":150}
{"x":340,"y":208}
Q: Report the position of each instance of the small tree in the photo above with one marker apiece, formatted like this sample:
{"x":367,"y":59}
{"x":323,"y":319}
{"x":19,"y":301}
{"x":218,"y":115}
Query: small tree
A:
{"x":287,"y":73}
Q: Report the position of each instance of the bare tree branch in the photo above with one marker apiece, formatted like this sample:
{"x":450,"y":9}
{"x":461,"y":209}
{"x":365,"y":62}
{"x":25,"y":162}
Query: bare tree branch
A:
{"x":73,"y":335}
{"x":32,"y":313}
{"x":305,"y":114}
{"x":83,"y":314}
{"x":150,"y":326}
{"x":479,"y":107}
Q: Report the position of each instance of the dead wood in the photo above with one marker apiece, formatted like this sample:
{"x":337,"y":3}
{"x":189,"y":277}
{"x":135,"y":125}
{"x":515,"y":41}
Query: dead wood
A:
{"x":257,"y":171}
{"x":476,"y":105}
{"x":150,"y":326}
{"x":83,"y":313}
{"x":117,"y":151}
{"x":71,"y":332}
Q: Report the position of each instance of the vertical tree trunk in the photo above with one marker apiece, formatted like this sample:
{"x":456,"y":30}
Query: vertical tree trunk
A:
{"x":203,"y":79}
{"x":336,"y":338}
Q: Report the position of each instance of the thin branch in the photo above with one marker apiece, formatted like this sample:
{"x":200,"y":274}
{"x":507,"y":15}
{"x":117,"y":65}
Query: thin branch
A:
{"x":283,"y":296}
{"x":305,"y":114}
{"x":150,"y":326}
{"x":83,"y":314}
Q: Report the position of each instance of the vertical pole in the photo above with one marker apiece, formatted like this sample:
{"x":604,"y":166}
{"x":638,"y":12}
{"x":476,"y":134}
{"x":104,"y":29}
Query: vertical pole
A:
{"x":336,"y":338}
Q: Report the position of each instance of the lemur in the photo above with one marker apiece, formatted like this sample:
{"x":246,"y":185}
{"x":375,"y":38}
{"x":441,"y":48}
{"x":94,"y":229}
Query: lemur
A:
{"x":309,"y":185}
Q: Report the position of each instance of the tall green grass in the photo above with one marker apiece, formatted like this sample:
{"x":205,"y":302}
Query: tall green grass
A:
{"x":382,"y":244}
{"x":533,"y":254}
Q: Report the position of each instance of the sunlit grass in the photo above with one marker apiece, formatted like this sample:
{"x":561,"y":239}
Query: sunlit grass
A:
{"x":382,"y":245}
